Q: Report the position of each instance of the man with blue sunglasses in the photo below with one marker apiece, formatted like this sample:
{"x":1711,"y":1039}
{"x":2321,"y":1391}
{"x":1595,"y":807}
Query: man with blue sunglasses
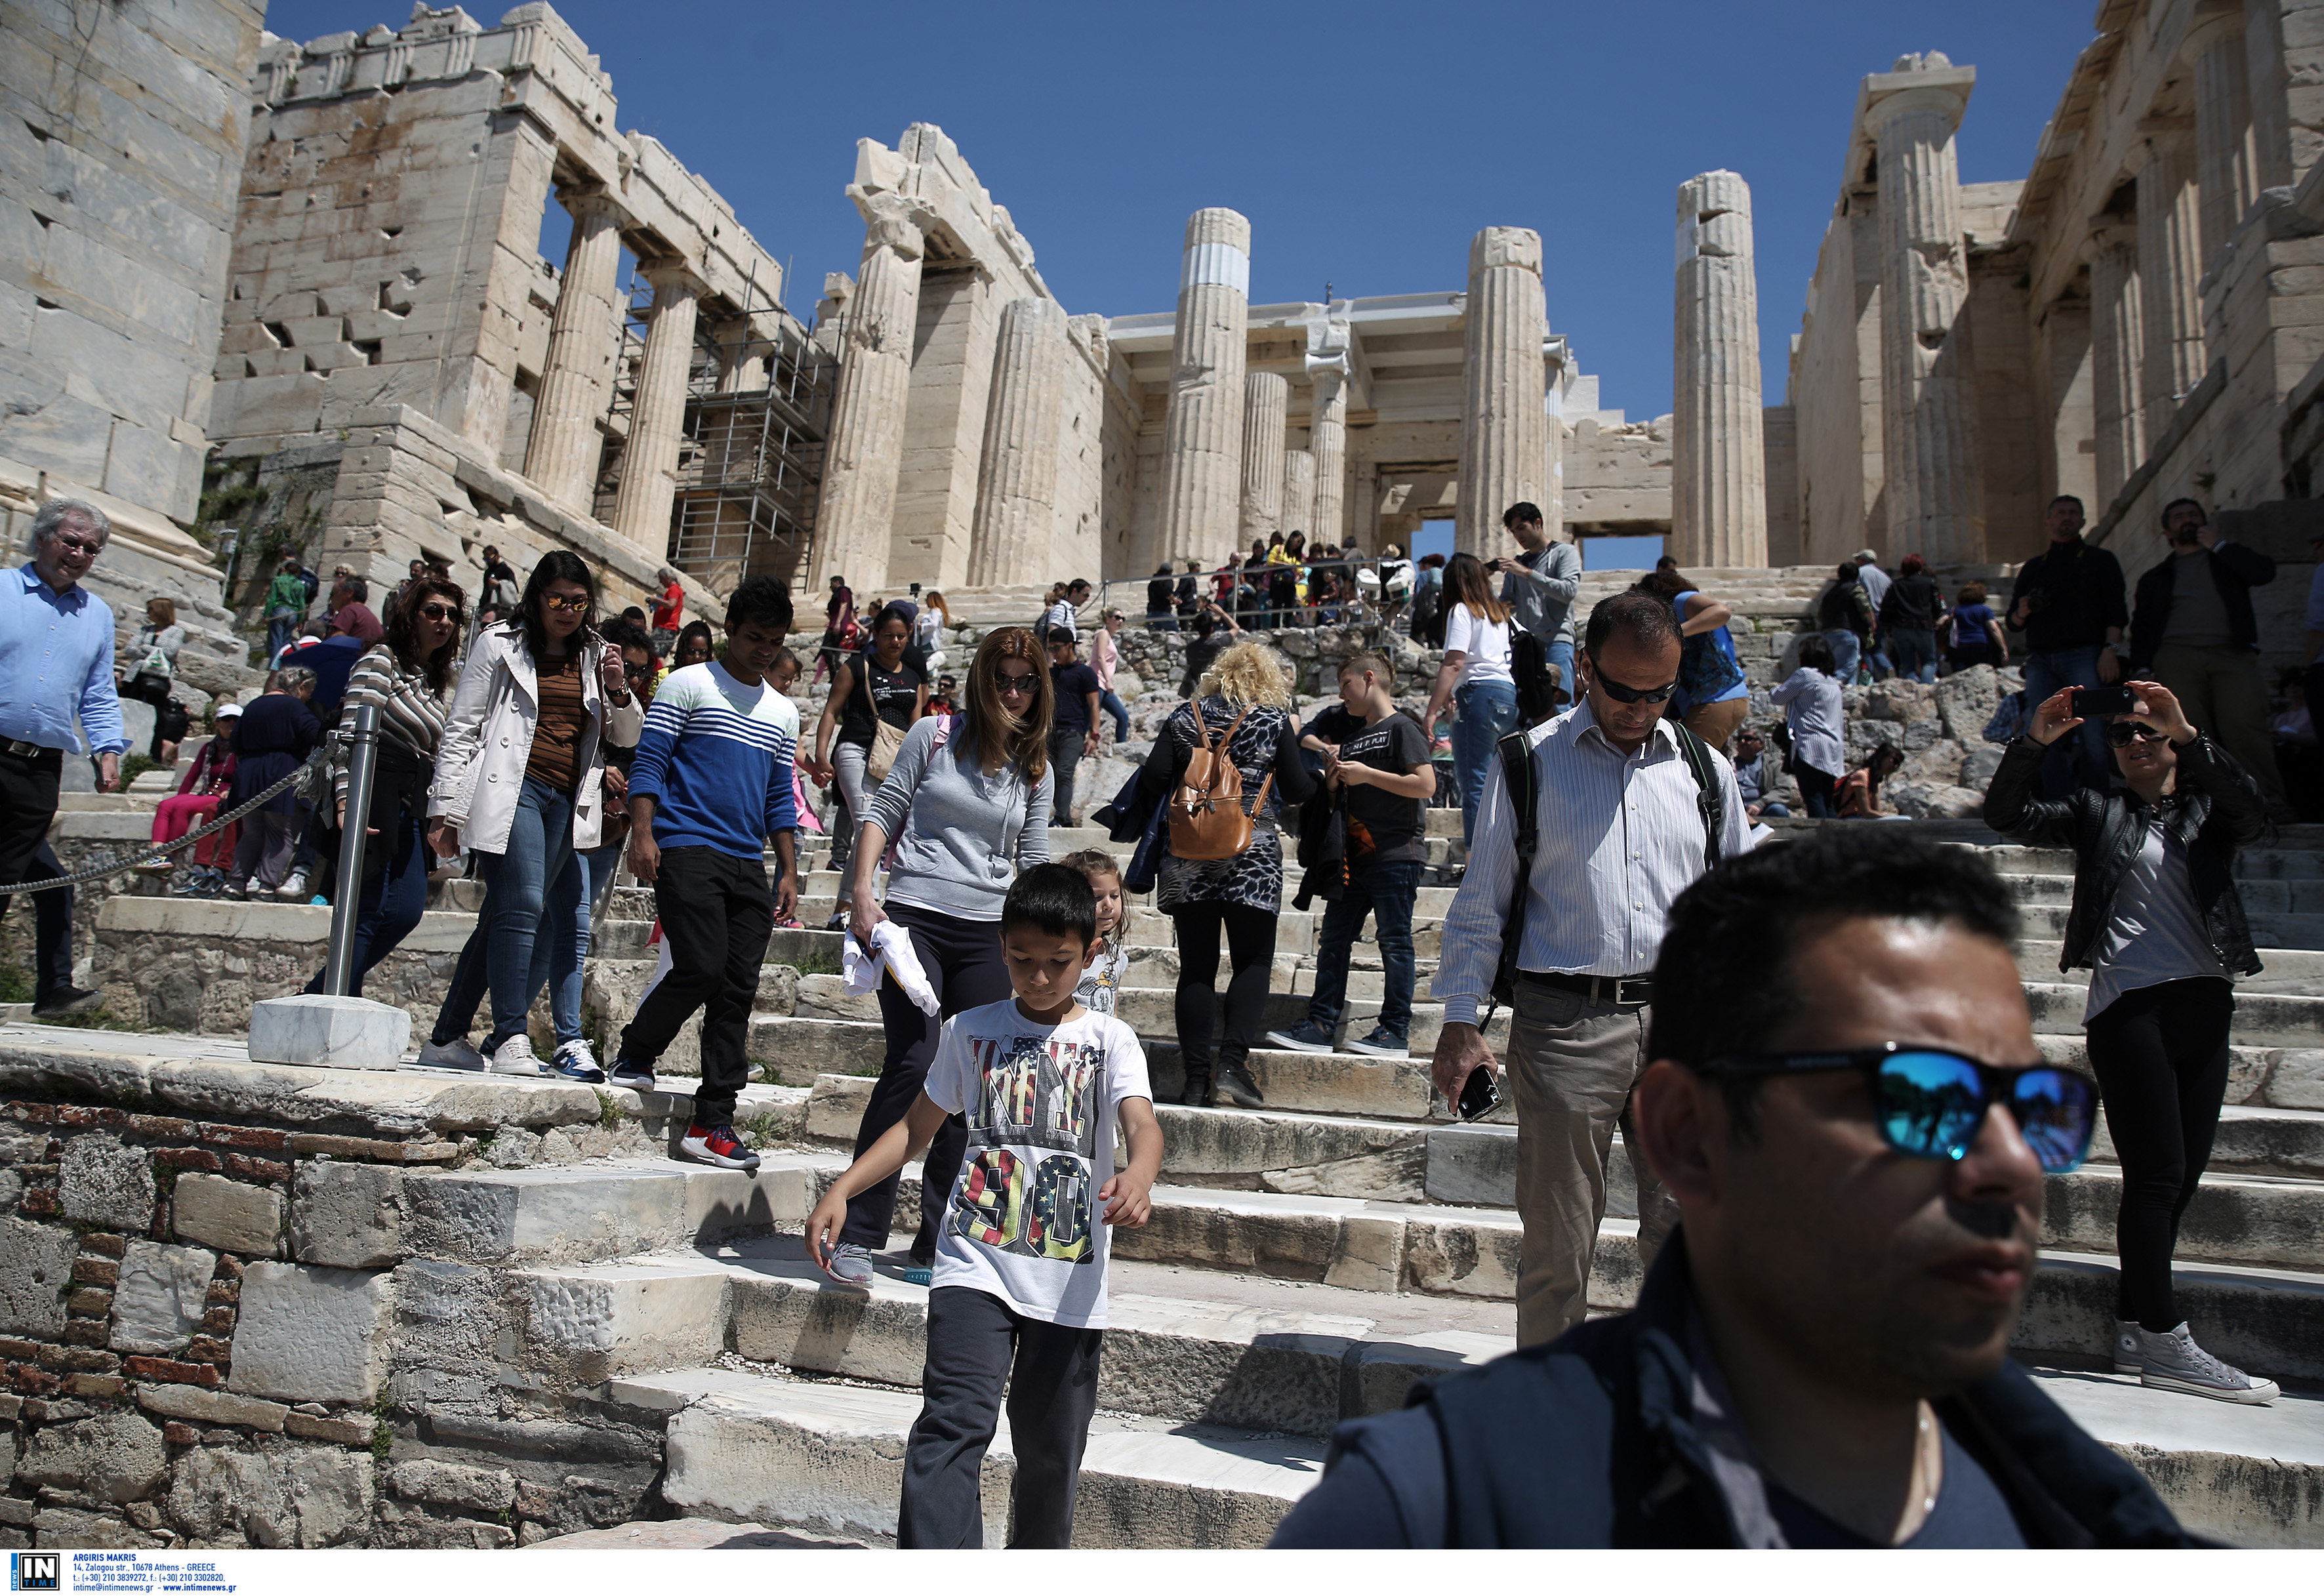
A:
{"x":1851,"y":1114}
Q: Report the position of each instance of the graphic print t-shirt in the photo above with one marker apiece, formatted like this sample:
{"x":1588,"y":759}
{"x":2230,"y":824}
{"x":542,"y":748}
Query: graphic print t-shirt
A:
{"x":1025,"y":1223}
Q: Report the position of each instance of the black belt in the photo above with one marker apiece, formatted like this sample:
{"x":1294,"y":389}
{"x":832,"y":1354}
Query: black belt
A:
{"x":1622,"y":992}
{"x":37,"y":752}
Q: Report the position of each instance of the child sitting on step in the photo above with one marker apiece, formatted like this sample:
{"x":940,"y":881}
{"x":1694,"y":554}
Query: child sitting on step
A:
{"x":1018,"y":1298}
{"x":1103,"y":979}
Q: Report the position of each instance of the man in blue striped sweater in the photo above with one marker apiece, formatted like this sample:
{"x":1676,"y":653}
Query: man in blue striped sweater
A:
{"x":710,"y":784}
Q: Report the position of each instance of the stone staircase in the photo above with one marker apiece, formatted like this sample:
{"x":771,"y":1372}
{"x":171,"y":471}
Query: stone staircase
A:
{"x":1305,"y":1262}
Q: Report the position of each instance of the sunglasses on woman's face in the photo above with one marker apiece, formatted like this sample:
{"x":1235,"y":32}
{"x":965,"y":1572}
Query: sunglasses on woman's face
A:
{"x":1010,"y":684}
{"x":637,"y":673}
{"x":1930,"y":1102}
{"x":570,"y":602}
{"x":439,"y":612}
{"x":2120,"y":732}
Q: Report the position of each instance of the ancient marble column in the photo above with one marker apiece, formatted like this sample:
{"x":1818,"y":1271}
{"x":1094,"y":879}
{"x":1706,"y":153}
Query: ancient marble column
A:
{"x":1718,"y":463}
{"x":1202,"y":431}
{"x":1927,"y":402}
{"x":658,"y":415}
{"x":743,"y":358}
{"x":1016,"y":484}
{"x":1299,"y":468}
{"x":1504,"y":429}
{"x":1265,"y":409}
{"x":577,"y":377}
{"x":2267,"y":86}
{"x":852,"y":520}
{"x":2226,"y":162}
{"x":2169,"y":270}
{"x":2117,"y":354}
{"x":1327,"y":447}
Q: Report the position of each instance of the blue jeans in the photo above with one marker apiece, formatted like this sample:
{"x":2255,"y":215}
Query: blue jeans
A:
{"x":392,"y":901}
{"x":1385,"y":893}
{"x":1488,"y":713}
{"x":280,"y":628}
{"x":1848,"y":649}
{"x":596,"y":867}
{"x":1915,"y":653}
{"x":1561,"y":654}
{"x":525,"y":932}
{"x":2081,"y":759}
{"x":1111,"y":702}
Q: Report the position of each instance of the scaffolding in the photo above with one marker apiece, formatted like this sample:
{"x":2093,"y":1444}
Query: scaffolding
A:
{"x":758,"y":410}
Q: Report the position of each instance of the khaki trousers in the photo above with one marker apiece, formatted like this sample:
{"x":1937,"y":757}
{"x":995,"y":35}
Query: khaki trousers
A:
{"x":1572,"y":1066}
{"x":2225,"y":698}
{"x":1715,"y":724}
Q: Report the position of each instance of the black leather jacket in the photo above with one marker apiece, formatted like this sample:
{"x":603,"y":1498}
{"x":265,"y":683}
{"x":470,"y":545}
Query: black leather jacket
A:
{"x":2216,"y":809}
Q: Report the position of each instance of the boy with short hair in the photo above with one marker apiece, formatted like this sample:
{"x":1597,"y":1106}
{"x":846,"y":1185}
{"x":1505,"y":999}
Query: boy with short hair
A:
{"x":1018,"y":1296}
{"x":710,"y":783}
{"x":1102,"y":982}
{"x":1379,"y":756}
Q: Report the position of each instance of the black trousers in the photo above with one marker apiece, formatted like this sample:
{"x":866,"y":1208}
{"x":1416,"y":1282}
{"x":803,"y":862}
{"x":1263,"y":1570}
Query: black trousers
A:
{"x":28,"y":802}
{"x":1250,"y":950}
{"x":1816,"y":790}
{"x":964,"y":965}
{"x":2161,"y":1056}
{"x":717,"y":911}
{"x":977,"y":1344}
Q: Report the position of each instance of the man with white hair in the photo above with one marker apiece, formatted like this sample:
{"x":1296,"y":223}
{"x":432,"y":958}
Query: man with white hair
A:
{"x":56,"y":668}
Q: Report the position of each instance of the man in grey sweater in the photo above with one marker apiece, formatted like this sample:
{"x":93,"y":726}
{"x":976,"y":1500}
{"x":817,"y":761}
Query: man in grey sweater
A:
{"x":1540,"y":583}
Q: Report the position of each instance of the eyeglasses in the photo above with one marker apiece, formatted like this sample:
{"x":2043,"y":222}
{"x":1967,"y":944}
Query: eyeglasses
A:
{"x":1622,"y":695}
{"x":568,"y":602}
{"x":79,"y":545}
{"x":637,"y":673}
{"x":1928,"y":1103}
{"x":439,"y":612}
{"x":2120,"y":732}
{"x":1010,"y":684}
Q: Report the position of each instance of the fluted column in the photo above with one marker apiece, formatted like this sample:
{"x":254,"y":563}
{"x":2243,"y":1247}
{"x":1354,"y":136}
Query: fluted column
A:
{"x":2117,"y":354}
{"x":1927,"y":404}
{"x":1017,"y":485}
{"x":1327,"y":447}
{"x":577,"y":378}
{"x":2267,"y":87}
{"x":1265,"y":409}
{"x":1504,"y":429}
{"x":1202,"y":431}
{"x":744,"y":358}
{"x":658,"y":416}
{"x":855,"y":514}
{"x":1298,"y":467}
{"x":2226,"y":161}
{"x":2170,"y":269}
{"x":1718,"y":461}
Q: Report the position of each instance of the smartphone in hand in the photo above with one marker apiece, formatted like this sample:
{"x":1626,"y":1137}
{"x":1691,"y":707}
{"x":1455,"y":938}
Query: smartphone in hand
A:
{"x":1480,"y":1094}
{"x":2090,"y":703}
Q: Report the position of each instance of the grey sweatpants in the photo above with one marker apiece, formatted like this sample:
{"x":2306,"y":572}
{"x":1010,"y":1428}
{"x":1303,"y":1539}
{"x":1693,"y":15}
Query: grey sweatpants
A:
{"x":977,"y":1344}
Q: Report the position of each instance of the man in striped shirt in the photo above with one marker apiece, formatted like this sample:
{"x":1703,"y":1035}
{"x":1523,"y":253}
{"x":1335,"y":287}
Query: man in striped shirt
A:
{"x":1620,"y":835}
{"x":710,"y":784}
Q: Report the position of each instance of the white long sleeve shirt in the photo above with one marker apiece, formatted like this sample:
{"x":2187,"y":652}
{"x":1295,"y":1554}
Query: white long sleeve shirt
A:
{"x":1620,"y":837}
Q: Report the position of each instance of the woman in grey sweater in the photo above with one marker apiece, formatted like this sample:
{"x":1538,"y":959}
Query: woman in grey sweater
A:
{"x":967,"y":804}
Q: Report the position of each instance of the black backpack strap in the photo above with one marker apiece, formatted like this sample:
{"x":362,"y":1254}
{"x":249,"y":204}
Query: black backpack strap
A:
{"x":1519,"y":776}
{"x":1709,"y":796}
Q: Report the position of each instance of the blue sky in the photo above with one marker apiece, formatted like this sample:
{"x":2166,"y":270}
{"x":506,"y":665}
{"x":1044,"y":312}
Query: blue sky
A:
{"x":1367,"y":142}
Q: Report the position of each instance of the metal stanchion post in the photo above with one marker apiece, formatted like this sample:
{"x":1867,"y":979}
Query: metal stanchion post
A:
{"x":363,"y":763}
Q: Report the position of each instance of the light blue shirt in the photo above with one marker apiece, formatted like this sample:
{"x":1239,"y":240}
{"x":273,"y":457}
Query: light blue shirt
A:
{"x":56,"y":666}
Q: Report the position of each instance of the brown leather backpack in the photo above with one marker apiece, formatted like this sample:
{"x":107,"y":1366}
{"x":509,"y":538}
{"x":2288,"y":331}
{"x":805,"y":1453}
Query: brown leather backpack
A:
{"x":1208,"y":818}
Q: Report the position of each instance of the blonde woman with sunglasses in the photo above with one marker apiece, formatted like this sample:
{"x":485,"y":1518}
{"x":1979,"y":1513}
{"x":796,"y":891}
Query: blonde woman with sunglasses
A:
{"x":967,"y":806}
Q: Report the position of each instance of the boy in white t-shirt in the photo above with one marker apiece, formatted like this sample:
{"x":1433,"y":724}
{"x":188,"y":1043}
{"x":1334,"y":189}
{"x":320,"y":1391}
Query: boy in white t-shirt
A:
{"x":1017,"y":1299}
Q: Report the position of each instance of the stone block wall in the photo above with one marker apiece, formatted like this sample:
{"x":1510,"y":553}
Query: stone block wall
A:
{"x":229,"y":1316}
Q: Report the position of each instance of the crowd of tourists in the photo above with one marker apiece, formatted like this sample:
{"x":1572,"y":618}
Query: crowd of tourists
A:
{"x":1837,"y":1181}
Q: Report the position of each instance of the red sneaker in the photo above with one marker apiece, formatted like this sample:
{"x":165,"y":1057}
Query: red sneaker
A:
{"x":715,"y":1144}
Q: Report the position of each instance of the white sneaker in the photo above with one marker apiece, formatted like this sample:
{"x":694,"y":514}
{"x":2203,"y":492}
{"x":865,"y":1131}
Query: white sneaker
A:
{"x":294,"y":887}
{"x":2175,"y":1364}
{"x":852,"y":1263}
{"x":456,"y":1054}
{"x":514,"y":1057}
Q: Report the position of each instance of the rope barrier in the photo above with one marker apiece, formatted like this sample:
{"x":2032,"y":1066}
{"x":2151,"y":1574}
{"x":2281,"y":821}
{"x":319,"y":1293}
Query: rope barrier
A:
{"x":316,"y":773}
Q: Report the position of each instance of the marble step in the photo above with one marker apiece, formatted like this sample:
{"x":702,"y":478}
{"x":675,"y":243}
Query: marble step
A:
{"x":2262,"y":1019}
{"x":828,"y":1459}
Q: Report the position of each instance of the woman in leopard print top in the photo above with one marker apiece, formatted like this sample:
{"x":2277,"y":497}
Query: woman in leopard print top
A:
{"x":1240,"y":897}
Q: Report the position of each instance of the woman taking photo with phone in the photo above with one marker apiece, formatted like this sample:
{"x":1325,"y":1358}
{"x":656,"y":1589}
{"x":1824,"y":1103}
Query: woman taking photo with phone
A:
{"x":2159,"y":925}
